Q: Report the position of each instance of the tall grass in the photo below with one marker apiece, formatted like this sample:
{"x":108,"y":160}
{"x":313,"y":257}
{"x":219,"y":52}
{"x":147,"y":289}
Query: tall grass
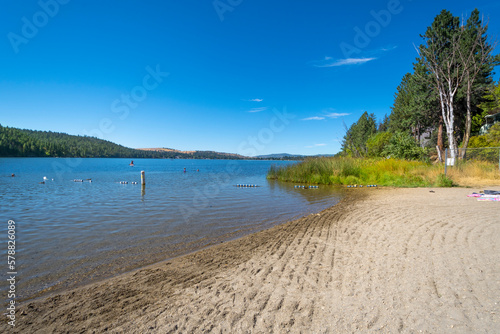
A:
{"x":475,"y":173}
{"x":384,"y":172}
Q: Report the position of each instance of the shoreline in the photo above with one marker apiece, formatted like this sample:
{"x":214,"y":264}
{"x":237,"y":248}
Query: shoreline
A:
{"x":174,"y":252}
{"x":78,"y":233}
{"x":381,"y":259}
{"x":194,"y":247}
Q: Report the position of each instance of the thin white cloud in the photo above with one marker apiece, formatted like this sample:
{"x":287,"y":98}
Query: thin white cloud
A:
{"x":258,"y":109}
{"x":314,"y":118}
{"x":327,"y":113}
{"x":336,"y":115}
{"x":316,"y":145}
{"x":368,"y":55}
{"x":330,"y":62}
{"x":380,"y":51}
{"x":254,"y":100}
{"x":388,"y":48}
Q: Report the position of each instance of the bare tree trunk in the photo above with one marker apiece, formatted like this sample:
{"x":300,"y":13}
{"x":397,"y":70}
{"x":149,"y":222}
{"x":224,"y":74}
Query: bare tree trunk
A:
{"x":448,"y":76}
{"x":446,"y":97}
{"x":468,"y":119}
{"x":440,"y":144}
{"x":440,"y":157}
{"x":452,"y":141}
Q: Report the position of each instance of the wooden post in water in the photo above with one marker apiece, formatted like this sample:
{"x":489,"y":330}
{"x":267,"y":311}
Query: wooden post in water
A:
{"x":143,"y":183}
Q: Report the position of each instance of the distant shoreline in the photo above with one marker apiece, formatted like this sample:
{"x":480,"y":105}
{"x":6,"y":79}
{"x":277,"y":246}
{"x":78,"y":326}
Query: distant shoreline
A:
{"x":164,"y":158}
{"x":32,"y":143}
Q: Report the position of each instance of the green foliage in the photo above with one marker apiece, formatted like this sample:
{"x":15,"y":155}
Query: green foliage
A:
{"x":478,"y":141}
{"x":441,"y":35}
{"x":415,"y":106}
{"x":27,"y":143}
{"x":354,"y":143}
{"x":384,"y":125}
{"x":491,"y":104}
{"x":382,"y":172}
{"x":478,"y":121}
{"x":318,"y":170}
{"x":444,"y":181}
{"x":491,"y":139}
{"x":485,"y":147}
{"x":403,"y":146}
{"x":348,"y":171}
{"x":377,"y":143}
{"x":493,"y":135}
{"x":481,"y":93}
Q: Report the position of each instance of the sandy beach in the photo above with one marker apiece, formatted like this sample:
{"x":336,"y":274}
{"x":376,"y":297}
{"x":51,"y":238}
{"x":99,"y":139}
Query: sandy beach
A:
{"x":383,"y":260}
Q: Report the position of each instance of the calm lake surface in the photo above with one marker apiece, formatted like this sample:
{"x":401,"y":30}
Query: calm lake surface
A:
{"x":70,"y":233}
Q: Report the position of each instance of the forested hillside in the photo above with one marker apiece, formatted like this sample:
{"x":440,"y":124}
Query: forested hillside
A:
{"x":28,"y":143}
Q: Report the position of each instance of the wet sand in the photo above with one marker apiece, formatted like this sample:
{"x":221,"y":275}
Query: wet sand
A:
{"x":383,"y":260}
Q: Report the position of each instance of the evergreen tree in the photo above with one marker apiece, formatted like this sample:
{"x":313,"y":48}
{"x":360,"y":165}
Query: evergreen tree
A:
{"x":384,"y":125}
{"x":357,"y":135}
{"x":477,"y":62}
{"x":415,"y":105}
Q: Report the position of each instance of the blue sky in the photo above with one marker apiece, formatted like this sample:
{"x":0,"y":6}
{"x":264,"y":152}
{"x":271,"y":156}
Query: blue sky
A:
{"x":240,"y":76}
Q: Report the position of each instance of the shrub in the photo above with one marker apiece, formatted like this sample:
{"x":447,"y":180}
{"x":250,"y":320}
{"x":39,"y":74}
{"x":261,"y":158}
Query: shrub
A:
{"x":478,"y":141}
{"x":376,"y":144}
{"x":403,"y":146}
{"x":491,"y":139}
{"x":493,"y":135}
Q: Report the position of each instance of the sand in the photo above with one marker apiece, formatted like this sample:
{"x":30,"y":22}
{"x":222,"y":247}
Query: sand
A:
{"x":383,"y":260}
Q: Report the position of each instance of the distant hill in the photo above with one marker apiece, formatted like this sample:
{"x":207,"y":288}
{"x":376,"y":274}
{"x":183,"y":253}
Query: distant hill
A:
{"x":197,"y":154}
{"x":164,"y":149}
{"x":16,"y":142}
{"x":29,"y":143}
{"x":284,"y":156}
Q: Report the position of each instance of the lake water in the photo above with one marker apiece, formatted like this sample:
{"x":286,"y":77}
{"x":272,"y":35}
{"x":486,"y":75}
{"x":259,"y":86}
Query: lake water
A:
{"x":69,"y":233}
